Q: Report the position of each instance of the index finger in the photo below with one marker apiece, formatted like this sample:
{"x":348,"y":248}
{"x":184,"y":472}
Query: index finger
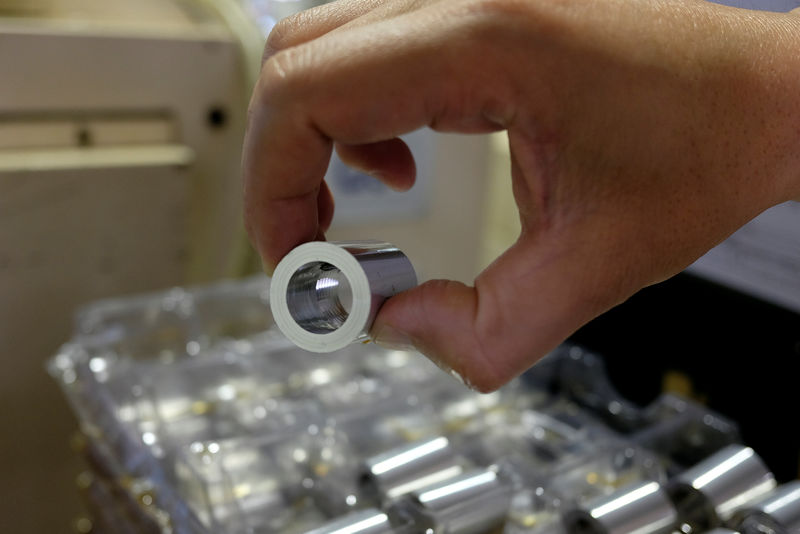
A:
{"x":283,"y":166}
{"x":365,"y":85}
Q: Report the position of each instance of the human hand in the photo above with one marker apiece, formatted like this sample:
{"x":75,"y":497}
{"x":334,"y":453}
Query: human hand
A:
{"x":641,"y":134}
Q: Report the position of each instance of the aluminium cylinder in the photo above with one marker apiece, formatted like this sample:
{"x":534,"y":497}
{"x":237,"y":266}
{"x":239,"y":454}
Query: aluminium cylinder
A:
{"x":325,"y":296}
{"x":778,"y":512}
{"x":640,"y":508}
{"x":708,"y":493}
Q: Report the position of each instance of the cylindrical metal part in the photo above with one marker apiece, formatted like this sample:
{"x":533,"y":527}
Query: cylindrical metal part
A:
{"x":778,"y":511}
{"x":369,"y":521}
{"x":325,"y":296}
{"x":411,"y":467}
{"x":641,"y":508}
{"x":472,"y":503}
{"x":709,"y":493}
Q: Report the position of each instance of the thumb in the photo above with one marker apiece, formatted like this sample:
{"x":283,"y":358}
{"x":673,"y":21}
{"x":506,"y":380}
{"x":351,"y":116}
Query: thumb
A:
{"x":438,"y":318}
{"x":521,"y":308}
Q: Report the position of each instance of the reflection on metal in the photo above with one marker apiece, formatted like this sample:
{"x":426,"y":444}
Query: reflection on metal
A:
{"x":371,"y":521}
{"x":471,"y":503}
{"x":412,"y":467}
{"x":194,"y":396}
{"x":642,"y":508}
{"x":712,"y":490}
{"x":778,"y":511}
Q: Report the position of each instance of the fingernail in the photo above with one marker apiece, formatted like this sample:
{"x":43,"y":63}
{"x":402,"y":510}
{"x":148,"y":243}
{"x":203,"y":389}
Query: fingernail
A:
{"x":454,"y":374}
{"x":391,"y":338}
{"x":377,"y":174}
{"x":381,"y":176}
{"x":458,"y":377}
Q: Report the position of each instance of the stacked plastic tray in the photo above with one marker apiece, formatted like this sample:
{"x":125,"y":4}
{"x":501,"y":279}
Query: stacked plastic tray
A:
{"x":199,"y":417}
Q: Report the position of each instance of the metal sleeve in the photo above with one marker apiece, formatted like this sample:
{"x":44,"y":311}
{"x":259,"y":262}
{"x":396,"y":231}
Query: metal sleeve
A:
{"x":410,"y":467}
{"x":369,"y":521}
{"x":325,"y":296}
{"x":779,"y":511}
{"x":641,"y":508}
{"x":710,"y":492}
{"x":471,"y":503}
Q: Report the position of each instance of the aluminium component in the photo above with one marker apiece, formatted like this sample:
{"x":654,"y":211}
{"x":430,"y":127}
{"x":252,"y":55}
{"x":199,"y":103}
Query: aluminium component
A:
{"x":325,"y":296}
{"x":640,"y":508}
{"x":708,"y":493}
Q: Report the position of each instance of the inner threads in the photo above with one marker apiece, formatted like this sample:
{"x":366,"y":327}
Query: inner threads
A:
{"x":319,"y":297}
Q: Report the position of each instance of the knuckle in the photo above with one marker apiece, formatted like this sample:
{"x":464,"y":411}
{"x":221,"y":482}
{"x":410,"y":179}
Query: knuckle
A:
{"x":293,"y":30}
{"x":279,"y":38}
{"x":276,"y":75}
{"x":495,"y":7}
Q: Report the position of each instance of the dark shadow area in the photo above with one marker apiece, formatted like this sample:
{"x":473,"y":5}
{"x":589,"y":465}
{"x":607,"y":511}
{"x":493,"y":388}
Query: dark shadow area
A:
{"x":739,"y":353}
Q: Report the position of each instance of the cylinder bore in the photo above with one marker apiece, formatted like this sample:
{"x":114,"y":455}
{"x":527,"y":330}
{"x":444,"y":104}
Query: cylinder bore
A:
{"x":319,"y":297}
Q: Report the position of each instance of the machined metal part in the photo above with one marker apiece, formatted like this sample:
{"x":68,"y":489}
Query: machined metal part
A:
{"x":325,"y":296}
{"x":641,"y":508}
{"x":777,"y":512}
{"x":583,"y":378}
{"x":708,"y":493}
{"x":369,"y":521}
{"x":411,"y":467}
{"x":471,"y":503}
{"x":684,"y":432}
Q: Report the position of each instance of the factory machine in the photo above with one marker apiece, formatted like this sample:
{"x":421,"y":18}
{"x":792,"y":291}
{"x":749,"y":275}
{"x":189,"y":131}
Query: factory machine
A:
{"x":120,"y":128}
{"x":120,"y":145}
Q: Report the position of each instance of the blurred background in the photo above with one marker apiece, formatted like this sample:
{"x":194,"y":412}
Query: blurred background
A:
{"x":120,"y":140}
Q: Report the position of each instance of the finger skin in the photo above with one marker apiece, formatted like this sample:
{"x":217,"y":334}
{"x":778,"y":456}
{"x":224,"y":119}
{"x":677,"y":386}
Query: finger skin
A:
{"x":390,"y":161}
{"x":526,"y":303}
{"x":641,"y":135}
{"x":309,"y":24}
{"x":299,"y":106}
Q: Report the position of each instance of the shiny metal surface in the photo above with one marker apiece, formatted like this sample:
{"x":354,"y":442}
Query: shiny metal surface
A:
{"x":370,"y":521}
{"x":325,"y":296}
{"x":779,"y":511}
{"x":641,"y":508}
{"x":711,"y":491}
{"x":223,"y":428}
{"x":319,"y":297}
{"x":472,"y":503}
{"x":405,"y":469}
